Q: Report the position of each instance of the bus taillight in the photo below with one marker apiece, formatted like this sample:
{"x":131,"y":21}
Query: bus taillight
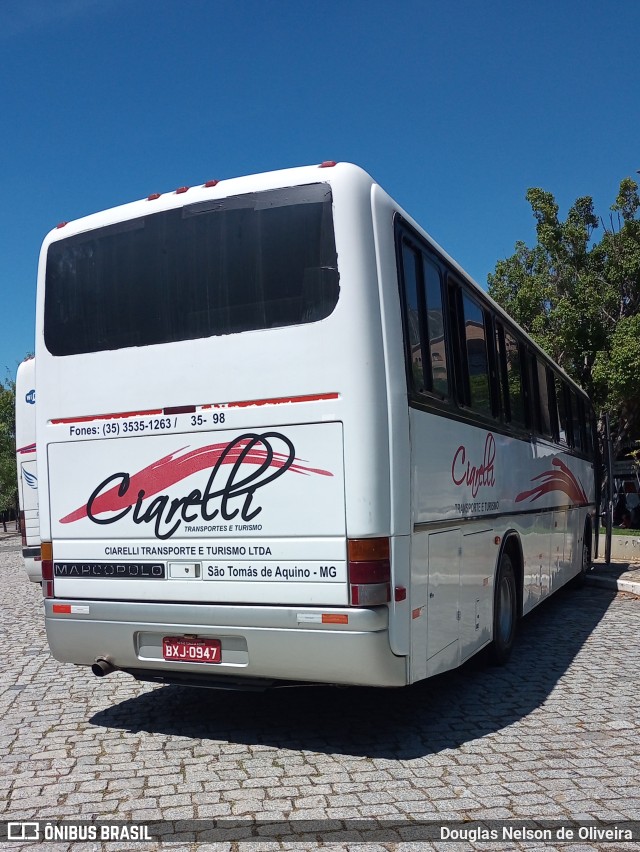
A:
{"x":23,"y":529}
{"x":47,"y":569}
{"x":369,"y":571}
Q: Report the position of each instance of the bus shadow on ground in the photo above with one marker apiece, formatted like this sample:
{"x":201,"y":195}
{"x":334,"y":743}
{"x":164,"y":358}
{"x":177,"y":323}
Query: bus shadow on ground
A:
{"x":441,"y":713}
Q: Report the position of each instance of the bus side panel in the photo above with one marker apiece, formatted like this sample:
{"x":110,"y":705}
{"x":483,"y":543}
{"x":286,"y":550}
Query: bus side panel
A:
{"x":479,"y":555}
{"x":470,"y":486}
{"x":27,"y":470}
{"x":400,"y":621}
{"x":419,"y":598}
{"x":29,"y":500}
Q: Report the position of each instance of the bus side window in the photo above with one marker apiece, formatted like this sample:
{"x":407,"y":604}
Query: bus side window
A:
{"x":591,"y":431}
{"x":501,"y":355}
{"x":534,"y":392}
{"x":460,"y":378}
{"x":546,"y":424}
{"x":436,"y":329}
{"x":564,"y":422}
{"x":477,"y":361}
{"x":425,"y":322}
{"x":413,"y":311}
{"x":512,"y":381}
{"x":578,"y":423}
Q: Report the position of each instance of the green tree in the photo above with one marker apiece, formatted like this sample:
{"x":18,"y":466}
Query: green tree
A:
{"x":8,"y":476}
{"x":579,"y":297}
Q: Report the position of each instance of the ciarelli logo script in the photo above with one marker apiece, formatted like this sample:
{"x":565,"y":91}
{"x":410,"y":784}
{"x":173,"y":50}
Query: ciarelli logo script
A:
{"x":238,"y":470}
{"x":471,"y":474}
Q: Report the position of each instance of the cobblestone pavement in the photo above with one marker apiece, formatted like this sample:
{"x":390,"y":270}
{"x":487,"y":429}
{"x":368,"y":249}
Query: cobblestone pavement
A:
{"x":553,"y":735}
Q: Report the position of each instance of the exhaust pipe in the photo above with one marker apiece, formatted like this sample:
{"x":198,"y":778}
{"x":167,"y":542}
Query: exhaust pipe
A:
{"x":102,"y":666}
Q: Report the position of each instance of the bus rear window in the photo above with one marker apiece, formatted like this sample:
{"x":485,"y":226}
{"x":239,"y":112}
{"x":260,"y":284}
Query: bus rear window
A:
{"x":256,"y":261}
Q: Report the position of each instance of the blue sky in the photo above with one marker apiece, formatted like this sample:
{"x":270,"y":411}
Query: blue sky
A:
{"x":455,"y":107}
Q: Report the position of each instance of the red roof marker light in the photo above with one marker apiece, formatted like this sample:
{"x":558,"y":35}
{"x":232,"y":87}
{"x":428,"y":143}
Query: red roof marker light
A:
{"x":327,"y":164}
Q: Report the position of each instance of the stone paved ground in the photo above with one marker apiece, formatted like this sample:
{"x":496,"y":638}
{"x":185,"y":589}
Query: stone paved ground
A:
{"x":552,"y":735}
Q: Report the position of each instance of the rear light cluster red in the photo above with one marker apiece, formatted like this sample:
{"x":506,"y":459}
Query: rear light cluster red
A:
{"x":47,"y":569}
{"x":369,"y":571}
{"x":23,"y":529}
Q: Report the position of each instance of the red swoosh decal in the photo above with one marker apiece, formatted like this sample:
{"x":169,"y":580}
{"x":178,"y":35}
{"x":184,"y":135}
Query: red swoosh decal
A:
{"x":170,"y":469}
{"x":556,"y":480}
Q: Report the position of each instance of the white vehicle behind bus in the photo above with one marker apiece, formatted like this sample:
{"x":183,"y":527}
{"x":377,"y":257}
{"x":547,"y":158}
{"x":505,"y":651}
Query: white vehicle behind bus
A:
{"x":26,"y":462}
{"x":285,"y":439}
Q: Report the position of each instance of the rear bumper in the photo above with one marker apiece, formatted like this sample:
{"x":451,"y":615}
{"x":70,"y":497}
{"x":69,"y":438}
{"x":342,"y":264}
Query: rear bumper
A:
{"x":258,"y":642}
{"x":32,"y":563}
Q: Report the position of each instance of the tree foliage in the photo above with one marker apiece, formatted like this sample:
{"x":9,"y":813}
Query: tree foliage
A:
{"x":579,"y":297}
{"x":8,"y":476}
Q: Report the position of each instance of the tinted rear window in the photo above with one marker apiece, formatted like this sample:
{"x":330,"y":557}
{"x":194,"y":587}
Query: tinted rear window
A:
{"x":256,"y":261}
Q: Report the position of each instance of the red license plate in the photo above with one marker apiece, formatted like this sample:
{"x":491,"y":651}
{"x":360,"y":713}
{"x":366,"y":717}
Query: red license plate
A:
{"x":191,"y":650}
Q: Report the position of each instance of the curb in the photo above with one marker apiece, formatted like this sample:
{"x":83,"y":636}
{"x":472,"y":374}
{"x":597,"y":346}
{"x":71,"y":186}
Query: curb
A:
{"x":608,"y":582}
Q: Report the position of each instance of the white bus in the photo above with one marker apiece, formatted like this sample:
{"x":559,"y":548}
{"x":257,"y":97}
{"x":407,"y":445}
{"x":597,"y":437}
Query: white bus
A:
{"x":287,"y":440}
{"x":26,"y":463}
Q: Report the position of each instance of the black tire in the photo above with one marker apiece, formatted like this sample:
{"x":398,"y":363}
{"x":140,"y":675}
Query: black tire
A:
{"x":505,"y":612}
{"x":585,"y":565}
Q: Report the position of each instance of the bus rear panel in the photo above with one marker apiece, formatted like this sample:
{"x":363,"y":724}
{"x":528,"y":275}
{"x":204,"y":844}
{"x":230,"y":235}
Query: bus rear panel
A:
{"x":201,"y":436}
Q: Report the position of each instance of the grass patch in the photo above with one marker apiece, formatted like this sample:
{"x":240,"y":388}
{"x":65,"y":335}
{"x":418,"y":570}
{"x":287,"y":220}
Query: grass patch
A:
{"x":620,"y":531}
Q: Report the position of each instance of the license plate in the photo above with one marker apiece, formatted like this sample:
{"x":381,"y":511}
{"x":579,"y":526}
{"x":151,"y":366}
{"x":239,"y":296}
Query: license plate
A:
{"x":191,"y":650}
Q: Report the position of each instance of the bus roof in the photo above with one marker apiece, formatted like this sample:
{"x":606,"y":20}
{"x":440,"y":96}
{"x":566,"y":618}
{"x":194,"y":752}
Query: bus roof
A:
{"x":328,"y":171}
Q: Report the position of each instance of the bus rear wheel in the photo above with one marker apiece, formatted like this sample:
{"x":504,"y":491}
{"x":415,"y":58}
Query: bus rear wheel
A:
{"x":505,"y":612}
{"x":585,"y":564}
